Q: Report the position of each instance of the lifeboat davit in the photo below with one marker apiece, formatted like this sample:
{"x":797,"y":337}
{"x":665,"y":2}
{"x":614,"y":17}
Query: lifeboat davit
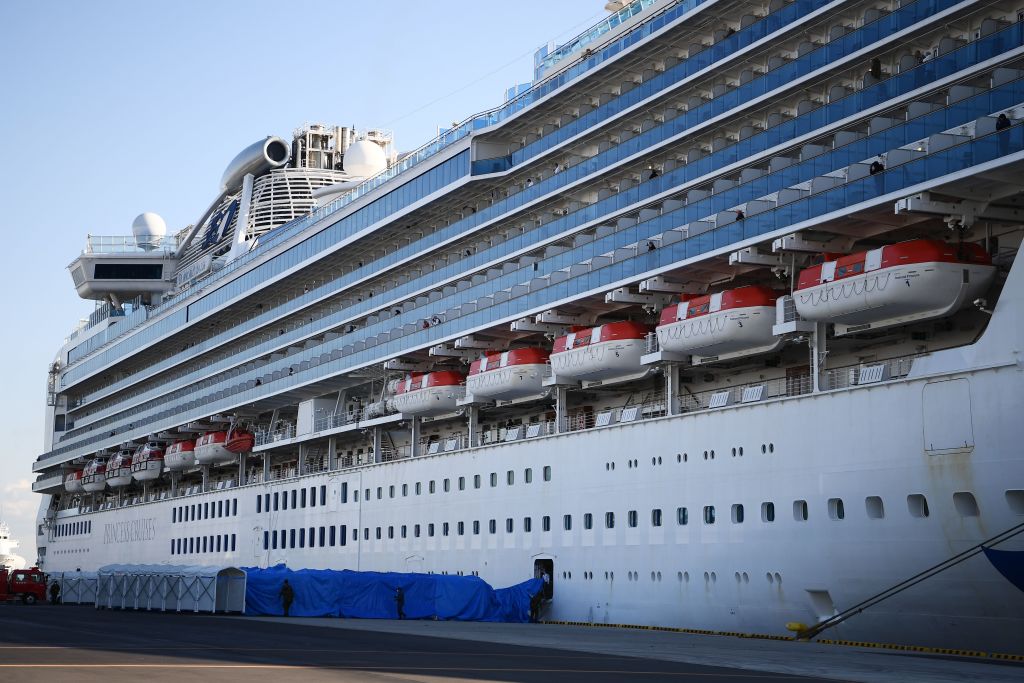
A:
{"x":433,"y":393}
{"x":240,"y":441}
{"x":93,"y":476}
{"x":148,"y":462}
{"x":210,"y":449}
{"x":737,"y":321}
{"x":893,"y":285}
{"x":119,"y":469}
{"x":606,"y":352}
{"x":73,"y":482}
{"x":510,"y":375}
{"x":180,"y":455}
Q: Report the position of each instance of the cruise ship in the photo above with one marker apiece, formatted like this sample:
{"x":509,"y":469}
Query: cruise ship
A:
{"x":718,"y":321}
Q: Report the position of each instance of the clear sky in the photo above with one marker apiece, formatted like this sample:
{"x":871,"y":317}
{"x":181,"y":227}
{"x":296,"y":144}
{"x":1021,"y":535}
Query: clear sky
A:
{"x":109,"y":109}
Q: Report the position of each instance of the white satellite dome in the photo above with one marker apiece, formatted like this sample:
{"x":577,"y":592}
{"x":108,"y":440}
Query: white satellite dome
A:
{"x":149,"y":228}
{"x":364,"y":159}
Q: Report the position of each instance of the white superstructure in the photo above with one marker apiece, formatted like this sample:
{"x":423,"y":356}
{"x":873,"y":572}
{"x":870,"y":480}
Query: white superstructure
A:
{"x":8,"y":558}
{"x":720,"y":333}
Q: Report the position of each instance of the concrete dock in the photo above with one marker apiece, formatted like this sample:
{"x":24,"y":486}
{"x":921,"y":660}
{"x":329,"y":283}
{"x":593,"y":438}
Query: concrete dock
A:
{"x":45,"y":642}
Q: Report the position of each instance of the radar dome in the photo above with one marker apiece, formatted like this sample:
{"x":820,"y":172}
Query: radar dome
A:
{"x":148,"y":228}
{"x":364,"y":159}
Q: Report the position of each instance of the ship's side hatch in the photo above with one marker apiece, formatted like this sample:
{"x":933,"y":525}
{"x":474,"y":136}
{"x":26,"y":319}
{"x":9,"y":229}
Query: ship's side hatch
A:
{"x":542,"y":567}
{"x":947,"y":422}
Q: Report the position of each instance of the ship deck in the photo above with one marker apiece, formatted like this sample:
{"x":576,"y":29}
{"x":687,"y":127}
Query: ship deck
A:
{"x":41,"y":642}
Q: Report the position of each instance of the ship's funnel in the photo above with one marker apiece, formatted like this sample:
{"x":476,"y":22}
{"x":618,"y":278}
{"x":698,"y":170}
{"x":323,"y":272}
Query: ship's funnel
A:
{"x":256,"y":159}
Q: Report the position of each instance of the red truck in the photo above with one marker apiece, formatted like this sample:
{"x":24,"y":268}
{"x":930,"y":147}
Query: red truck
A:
{"x":27,"y":585}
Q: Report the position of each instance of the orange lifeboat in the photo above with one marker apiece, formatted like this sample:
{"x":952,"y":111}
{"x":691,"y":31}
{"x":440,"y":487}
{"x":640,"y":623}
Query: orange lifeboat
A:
{"x":734,"y":322}
{"x":211,"y":449}
{"x":93,"y":476}
{"x":119,"y":469}
{"x":180,"y":455}
{"x":893,"y":285}
{"x":148,"y":462}
{"x":433,"y":393}
{"x":73,"y":482}
{"x":509,"y":375}
{"x":240,"y":441}
{"x":610,"y":351}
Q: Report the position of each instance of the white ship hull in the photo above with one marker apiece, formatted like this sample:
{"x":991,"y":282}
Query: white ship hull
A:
{"x":214,"y":454}
{"x":728,"y":331}
{"x":429,"y":401}
{"x":601,"y":361}
{"x":509,"y":383}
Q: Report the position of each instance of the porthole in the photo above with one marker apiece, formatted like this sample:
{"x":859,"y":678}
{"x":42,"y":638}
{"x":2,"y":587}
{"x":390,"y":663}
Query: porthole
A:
{"x":738,"y":578}
{"x":707,"y":577}
{"x":746,"y":578}
{"x":705,"y":455}
{"x":778,"y":577}
{"x":654,"y":461}
{"x":714,"y":577}
{"x":607,"y":466}
{"x":659,"y":576}
{"x":686,"y":577}
{"x":679,"y":575}
{"x":771,"y":448}
{"x":613,"y":466}
{"x":734,"y":451}
{"x":768,"y":575}
{"x":659,"y":459}
{"x":712,"y":454}
{"x":679,"y":457}
{"x":686,"y":456}
{"x":764,"y":448}
{"x":741,"y":451}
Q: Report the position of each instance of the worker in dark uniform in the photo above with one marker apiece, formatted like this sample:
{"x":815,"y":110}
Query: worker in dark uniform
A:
{"x":54,"y":593}
{"x":535,"y":602}
{"x":287,"y":595}
{"x":400,"y":602}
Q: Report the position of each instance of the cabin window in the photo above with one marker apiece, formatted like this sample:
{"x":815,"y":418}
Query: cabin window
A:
{"x":405,"y":490}
{"x":527,"y":524}
{"x":547,"y":473}
{"x":528,"y":475}
{"x":323,"y":535}
{"x":737,"y":514}
{"x":800,"y":510}
{"x":709,"y":514}
{"x":377,"y":533}
{"x":609,"y":520}
{"x":836,"y":509}
{"x":312,"y":496}
{"x":344,"y":492}
{"x":419,"y":488}
{"x":293,"y":498}
{"x":447,"y":485}
{"x":767,"y":512}
{"x":1015,"y":499}
{"x":380,"y":493}
{"x":266,"y":540}
{"x":391,"y":532}
{"x":174,"y":512}
{"x":545,"y":523}
{"x":284,"y":500}
{"x":218,"y":544}
{"x":460,"y":528}
{"x":476,"y":527}
{"x":567,"y":522}
{"x":302,"y":498}
{"x":462,"y":483}
{"x":432,"y":486}
{"x":494,"y":479}
{"x":445,"y":528}
{"x":632,"y":519}
{"x":302,"y":537}
{"x":966,"y":504}
{"x":918,"y":505}
{"x":332,"y":535}
{"x":323,"y":494}
{"x":430,"y":529}
{"x":588,"y":520}
{"x":509,"y":525}
{"x":682,"y":516}
{"x":232,"y":542}
{"x":416,"y":530}
{"x":656,"y":517}
{"x":874,"y":507}
{"x":405,"y":531}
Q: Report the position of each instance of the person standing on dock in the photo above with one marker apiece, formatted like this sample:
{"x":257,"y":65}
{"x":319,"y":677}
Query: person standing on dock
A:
{"x":400,"y":602}
{"x":54,"y":593}
{"x":287,"y":595}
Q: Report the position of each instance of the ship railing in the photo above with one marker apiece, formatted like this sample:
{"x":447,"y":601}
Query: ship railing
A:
{"x":127,"y":244}
{"x":652,"y":342}
{"x":267,"y":435}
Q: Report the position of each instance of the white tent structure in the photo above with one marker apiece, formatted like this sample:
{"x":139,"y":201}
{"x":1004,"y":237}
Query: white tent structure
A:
{"x":176,"y":588}
{"x":76,"y":588}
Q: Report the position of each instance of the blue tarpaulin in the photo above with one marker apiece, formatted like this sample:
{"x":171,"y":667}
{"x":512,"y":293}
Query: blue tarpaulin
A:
{"x":372,"y":595}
